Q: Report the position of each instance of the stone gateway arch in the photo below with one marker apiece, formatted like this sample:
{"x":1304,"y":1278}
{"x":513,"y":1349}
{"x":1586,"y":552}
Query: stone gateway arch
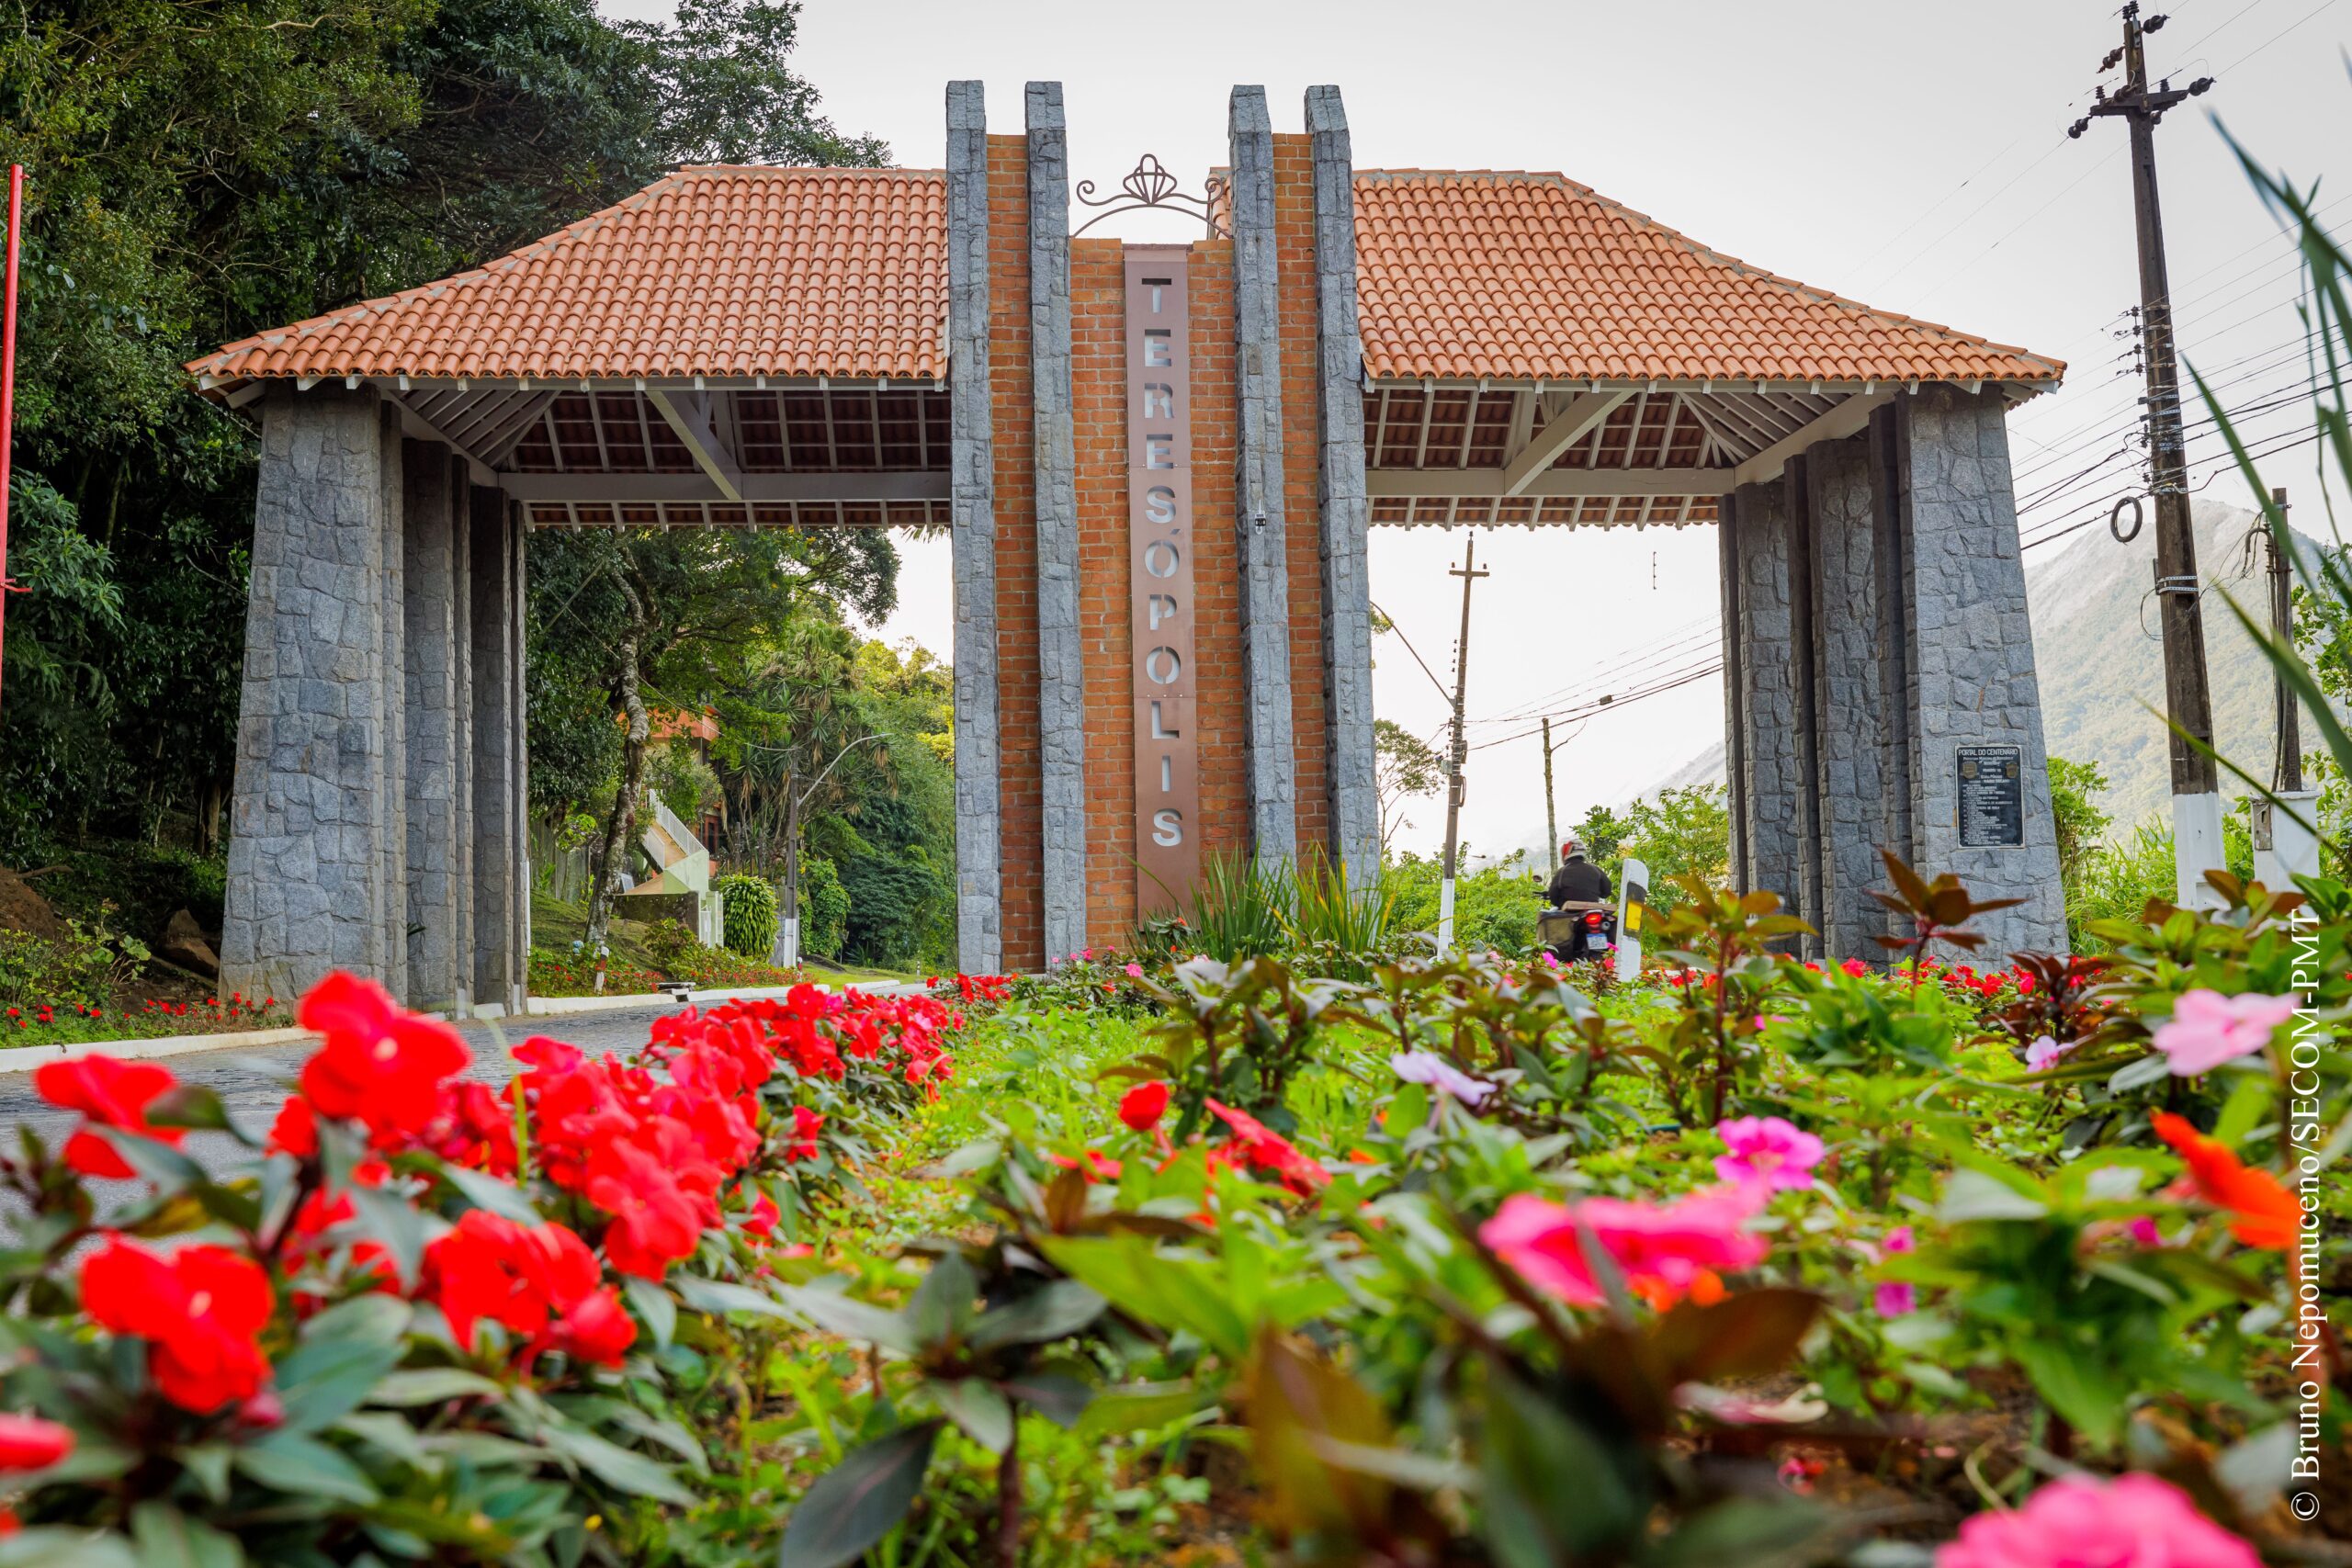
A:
{"x":1158,"y":464}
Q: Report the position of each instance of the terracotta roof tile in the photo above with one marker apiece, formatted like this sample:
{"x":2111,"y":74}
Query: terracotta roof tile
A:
{"x":1532,"y":277}
{"x":729,"y":270}
{"x":716,"y":270}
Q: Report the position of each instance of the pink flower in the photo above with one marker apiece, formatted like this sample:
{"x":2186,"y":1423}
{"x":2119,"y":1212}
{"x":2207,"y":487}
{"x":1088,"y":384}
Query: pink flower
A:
{"x":1434,"y":1070}
{"x":1893,"y":1298}
{"x":1900,"y":1239}
{"x":1134,"y":971}
{"x":2208,"y":1028}
{"x":2045,"y":1051}
{"x":1665,"y":1250}
{"x":2132,"y":1521}
{"x":1768,"y":1150}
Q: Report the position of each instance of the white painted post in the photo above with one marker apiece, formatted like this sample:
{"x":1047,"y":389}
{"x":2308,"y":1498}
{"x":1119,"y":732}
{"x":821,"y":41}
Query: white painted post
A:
{"x":2196,"y":848}
{"x":1633,"y":907}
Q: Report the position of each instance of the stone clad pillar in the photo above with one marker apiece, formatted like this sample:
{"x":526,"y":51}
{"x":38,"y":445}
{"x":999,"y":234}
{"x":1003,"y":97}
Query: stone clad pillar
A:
{"x":1969,"y":667}
{"x":1349,"y":763}
{"x":310,"y":851}
{"x":980,"y":932}
{"x":1061,"y":669}
{"x":502,"y":886}
{"x":1257,"y":484}
{"x":1850,"y":806}
{"x":1768,"y":780}
{"x":1736,"y":781}
{"x":433,"y":573}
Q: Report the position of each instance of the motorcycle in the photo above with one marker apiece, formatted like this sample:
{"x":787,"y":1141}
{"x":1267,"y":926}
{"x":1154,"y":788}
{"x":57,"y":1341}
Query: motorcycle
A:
{"x":1578,"y":930}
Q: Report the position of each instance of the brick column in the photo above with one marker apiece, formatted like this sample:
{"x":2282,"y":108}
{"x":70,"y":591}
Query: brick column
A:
{"x":972,"y":478}
{"x":435,"y":516}
{"x":1259,"y":511}
{"x":1349,"y":763}
{"x":1061,"y":668}
{"x":308,"y":855}
{"x":1850,"y":791}
{"x":1970,"y":654}
{"x":1769,"y":780}
{"x":500,"y":873}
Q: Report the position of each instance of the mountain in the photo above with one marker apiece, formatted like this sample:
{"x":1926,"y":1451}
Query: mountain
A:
{"x":2093,"y":609}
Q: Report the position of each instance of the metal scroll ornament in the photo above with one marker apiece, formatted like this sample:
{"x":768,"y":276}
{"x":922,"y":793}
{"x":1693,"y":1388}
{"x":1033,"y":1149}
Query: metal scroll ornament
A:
{"x":1149,"y":185}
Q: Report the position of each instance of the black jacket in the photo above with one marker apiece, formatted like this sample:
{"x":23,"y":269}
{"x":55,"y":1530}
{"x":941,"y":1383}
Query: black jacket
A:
{"x":1577,"y":881}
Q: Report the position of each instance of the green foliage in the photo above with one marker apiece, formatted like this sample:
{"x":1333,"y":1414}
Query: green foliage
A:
{"x":748,"y":906}
{"x":824,"y":908}
{"x":198,"y":173}
{"x":683,"y":780}
{"x":670,"y":944}
{"x":1494,"y":907}
{"x":2075,"y":788}
{"x":1684,"y":833}
{"x":1406,"y":767}
{"x":82,"y":968}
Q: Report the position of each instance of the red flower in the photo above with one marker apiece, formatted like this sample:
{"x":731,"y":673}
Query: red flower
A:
{"x":655,"y":1220}
{"x":2266,"y":1214}
{"x":1093,"y":1164}
{"x":295,"y":1132}
{"x":1143,"y":1106}
{"x":201,"y":1310}
{"x":380,"y":1064}
{"x":27,"y":1442}
{"x":1266,"y":1149}
{"x":805,"y":1125}
{"x":540,"y":1282}
{"x":110,"y":1093}
{"x":761,"y":1222}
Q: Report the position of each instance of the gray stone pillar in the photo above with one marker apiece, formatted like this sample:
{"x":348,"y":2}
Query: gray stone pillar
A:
{"x":1345,"y":500}
{"x":979,"y":923}
{"x":1970,"y":672}
{"x":308,"y":851}
{"x":1890,"y":558}
{"x":501,"y":876}
{"x":1267,"y":738}
{"x":1850,"y":808}
{"x":1061,"y":668}
{"x":1804,"y":682}
{"x":1736,"y":781}
{"x":392,"y":882}
{"x":1770,"y":781}
{"x":440,"y":971}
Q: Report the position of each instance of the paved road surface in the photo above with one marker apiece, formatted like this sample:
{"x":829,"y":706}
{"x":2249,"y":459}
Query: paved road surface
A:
{"x":251,"y":1082}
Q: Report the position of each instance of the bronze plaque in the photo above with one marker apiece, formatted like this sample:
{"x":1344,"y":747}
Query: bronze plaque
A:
{"x":1160,"y":543}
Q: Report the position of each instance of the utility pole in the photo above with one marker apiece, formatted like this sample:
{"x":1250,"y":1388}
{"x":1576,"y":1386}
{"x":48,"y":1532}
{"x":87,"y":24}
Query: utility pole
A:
{"x":1550,"y":822}
{"x":2196,"y":797}
{"x":2286,"y":773}
{"x":1458,"y":752}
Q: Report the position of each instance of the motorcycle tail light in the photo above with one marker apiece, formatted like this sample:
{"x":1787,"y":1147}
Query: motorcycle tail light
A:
{"x":1593,"y":918}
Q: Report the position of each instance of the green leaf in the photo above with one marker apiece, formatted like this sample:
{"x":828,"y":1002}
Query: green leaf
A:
{"x":2153,"y":1068}
{"x":837,"y":1313}
{"x":943,"y":1302}
{"x":195,"y":1107}
{"x":169,"y":1538}
{"x":1141,"y":1407}
{"x":372,"y":1318}
{"x":325,"y":1379}
{"x":1054,"y":1310}
{"x":430,"y":1385}
{"x":1187,"y":1294}
{"x":721,"y":1297}
{"x":209,"y":1462}
{"x":2090,"y":1395}
{"x":487,"y":1191}
{"x":391,"y":1432}
{"x":858,"y":1501}
{"x":978,"y":1407}
{"x":391,"y":1220}
{"x":157,"y":1162}
{"x":292,"y":1462}
{"x":655,"y":1305}
{"x":1975,"y":1195}
{"x":1057,"y":1396}
{"x":669,"y":1434}
{"x":58,"y":1547}
{"x":615,"y":1466}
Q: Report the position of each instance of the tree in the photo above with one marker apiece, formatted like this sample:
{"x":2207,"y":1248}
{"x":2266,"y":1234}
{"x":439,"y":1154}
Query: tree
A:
{"x":1406,"y":767}
{"x":204,"y":170}
{"x":1601,"y":834}
{"x":2074,"y":791}
{"x":1682,"y":832}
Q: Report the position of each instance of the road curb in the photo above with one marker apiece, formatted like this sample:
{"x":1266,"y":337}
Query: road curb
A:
{"x":24,"y":1058}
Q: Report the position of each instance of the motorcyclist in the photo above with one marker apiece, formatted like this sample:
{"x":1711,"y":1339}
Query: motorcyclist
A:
{"x":1577,"y":880}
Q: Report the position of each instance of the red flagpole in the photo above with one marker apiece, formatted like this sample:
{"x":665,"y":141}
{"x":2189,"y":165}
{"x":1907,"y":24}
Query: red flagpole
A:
{"x":8,"y":371}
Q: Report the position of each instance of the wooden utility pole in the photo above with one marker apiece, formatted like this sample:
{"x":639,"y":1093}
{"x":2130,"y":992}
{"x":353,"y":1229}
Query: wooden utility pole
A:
{"x":1457,"y":751}
{"x":1550,"y":822}
{"x":2286,"y":773}
{"x":2196,"y":799}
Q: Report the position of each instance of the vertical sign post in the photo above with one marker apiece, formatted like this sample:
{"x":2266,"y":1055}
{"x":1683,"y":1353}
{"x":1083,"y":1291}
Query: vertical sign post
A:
{"x":8,"y":371}
{"x":1160,"y":538}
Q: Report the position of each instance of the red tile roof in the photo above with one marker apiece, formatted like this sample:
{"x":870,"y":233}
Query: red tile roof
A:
{"x":717,"y":270}
{"x":738,"y":271}
{"x":1532,"y":277}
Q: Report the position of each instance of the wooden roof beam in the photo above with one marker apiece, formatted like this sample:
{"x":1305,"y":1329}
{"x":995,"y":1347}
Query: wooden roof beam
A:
{"x":689,"y":415}
{"x":1559,"y":433}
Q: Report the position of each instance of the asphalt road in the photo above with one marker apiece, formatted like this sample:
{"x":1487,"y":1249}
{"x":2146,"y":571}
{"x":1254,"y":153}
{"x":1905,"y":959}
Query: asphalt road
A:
{"x":252,"y":1081}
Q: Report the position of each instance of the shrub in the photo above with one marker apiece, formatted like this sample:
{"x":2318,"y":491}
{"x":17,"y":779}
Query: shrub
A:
{"x":824,"y":908}
{"x":750,"y":913}
{"x":85,"y":967}
{"x":669,"y":943}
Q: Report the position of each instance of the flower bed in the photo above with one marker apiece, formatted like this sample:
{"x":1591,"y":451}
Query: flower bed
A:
{"x":1464,"y":1262}
{"x":68,"y":1023}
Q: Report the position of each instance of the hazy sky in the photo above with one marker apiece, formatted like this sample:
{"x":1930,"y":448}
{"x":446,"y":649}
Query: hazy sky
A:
{"x":1908,"y":154}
